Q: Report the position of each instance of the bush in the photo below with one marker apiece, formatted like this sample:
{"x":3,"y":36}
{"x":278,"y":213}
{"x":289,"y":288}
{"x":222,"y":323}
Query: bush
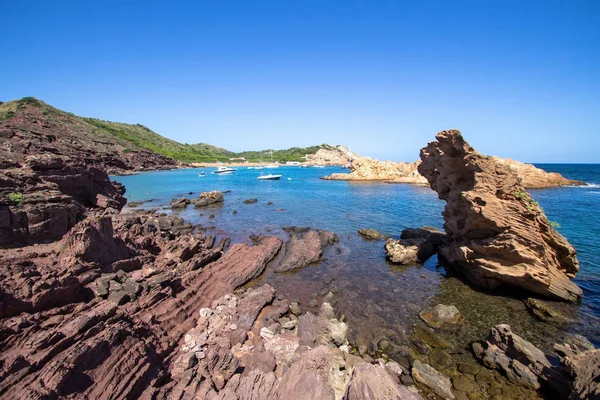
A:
{"x":17,"y":198}
{"x":30,"y":100}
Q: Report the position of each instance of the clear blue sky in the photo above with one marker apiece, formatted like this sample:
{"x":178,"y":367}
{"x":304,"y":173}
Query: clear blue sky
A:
{"x":520,"y":79}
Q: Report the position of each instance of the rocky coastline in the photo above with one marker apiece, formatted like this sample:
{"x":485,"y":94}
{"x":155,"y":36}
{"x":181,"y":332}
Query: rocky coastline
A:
{"x":97,"y":302}
{"x":366,"y":169}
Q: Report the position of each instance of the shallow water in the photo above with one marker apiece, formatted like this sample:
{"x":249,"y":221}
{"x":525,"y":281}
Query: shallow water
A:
{"x":381,"y":300}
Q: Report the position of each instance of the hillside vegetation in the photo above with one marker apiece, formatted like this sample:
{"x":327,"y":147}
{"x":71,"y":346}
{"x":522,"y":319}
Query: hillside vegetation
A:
{"x":137,"y":136}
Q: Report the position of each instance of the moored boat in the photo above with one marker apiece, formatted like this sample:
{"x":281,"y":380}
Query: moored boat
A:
{"x":223,"y":170}
{"x":268,"y":177}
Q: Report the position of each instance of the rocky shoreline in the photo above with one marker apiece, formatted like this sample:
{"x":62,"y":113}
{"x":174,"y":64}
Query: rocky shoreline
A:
{"x":99,"y":303}
{"x":366,"y":169}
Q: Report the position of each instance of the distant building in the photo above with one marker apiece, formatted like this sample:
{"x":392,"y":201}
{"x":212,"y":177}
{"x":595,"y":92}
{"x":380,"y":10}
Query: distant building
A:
{"x":238,"y":159}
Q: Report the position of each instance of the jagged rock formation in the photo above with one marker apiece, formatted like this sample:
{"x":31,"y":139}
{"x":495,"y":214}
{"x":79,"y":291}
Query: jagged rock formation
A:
{"x":497,"y":233}
{"x":367,"y":169}
{"x":48,"y":195}
{"x":525,"y":365}
{"x":136,"y":306}
{"x":101,"y":313}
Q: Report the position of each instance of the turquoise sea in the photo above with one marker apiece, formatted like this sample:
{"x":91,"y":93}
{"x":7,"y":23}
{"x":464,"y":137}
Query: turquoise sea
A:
{"x":379,"y":299}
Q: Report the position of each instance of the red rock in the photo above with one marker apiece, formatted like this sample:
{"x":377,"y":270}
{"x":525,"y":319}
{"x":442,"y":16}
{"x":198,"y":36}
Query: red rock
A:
{"x":497,"y":233}
{"x":304,"y":248}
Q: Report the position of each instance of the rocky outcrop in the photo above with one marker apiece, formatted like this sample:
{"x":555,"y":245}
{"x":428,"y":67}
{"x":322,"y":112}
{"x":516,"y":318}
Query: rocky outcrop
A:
{"x":522,"y":362}
{"x":536,"y":178}
{"x":526,"y":365}
{"x":305,"y":247}
{"x":584,"y":369}
{"x":498,"y":234}
{"x":48,"y":195}
{"x":209,"y":198}
{"x":331,"y":155}
{"x":98,"y":315}
{"x":181,"y":202}
{"x":367,"y":169}
{"x":409,"y":251}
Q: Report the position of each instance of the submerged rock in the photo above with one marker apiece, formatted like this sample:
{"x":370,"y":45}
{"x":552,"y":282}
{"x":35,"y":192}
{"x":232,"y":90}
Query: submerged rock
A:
{"x":370,"y":234}
{"x":547,"y":313}
{"x":441,"y":316}
{"x":498,"y":234}
{"x":250,"y":201}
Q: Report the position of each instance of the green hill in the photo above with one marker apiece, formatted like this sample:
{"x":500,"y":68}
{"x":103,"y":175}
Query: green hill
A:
{"x":134,"y":137}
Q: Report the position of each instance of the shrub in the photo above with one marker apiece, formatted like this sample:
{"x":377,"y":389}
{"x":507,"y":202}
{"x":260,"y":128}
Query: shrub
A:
{"x":17,"y":198}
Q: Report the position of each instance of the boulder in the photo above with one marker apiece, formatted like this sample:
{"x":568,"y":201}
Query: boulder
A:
{"x":428,"y":376}
{"x":370,"y":234}
{"x":522,"y":363}
{"x":408,"y":251}
{"x":584,"y":368}
{"x":208,"y":198}
{"x":498,"y":235}
{"x":305,"y":248}
{"x":308,"y":378}
{"x":181,"y":202}
{"x":250,"y":201}
{"x":372,"y":382}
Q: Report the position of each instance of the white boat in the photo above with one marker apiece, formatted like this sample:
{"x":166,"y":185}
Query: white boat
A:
{"x":268,"y":177}
{"x":304,"y":166}
{"x":202,"y":174}
{"x":223,"y":170}
{"x":259,"y":167}
{"x":250,"y":168}
{"x":318,"y":166}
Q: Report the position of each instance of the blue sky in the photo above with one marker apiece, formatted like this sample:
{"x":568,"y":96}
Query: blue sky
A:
{"x":520,"y":79}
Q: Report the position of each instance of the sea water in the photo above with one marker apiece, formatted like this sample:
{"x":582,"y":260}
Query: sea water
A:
{"x":378,"y":299}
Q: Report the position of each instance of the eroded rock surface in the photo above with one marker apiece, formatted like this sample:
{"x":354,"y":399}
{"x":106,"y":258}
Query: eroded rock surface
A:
{"x":96,"y":316}
{"x":305,"y":247}
{"x":498,"y":234}
{"x":48,"y":195}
